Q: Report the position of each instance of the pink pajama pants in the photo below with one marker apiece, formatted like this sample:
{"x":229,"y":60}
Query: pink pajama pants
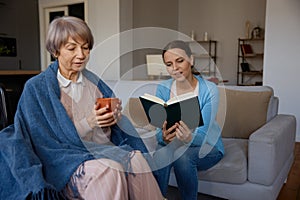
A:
{"x":105,"y":179}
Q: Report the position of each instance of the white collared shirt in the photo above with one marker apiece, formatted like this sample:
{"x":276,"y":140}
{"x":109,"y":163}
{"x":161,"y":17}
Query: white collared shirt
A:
{"x":174,"y":89}
{"x":73,"y":89}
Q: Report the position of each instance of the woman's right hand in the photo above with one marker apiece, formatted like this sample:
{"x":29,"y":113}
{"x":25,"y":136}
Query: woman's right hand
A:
{"x":102,"y":117}
{"x":170,"y":134}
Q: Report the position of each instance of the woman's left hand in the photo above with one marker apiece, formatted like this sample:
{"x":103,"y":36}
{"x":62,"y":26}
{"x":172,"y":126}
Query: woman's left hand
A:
{"x":117,"y":113}
{"x":183,"y":132}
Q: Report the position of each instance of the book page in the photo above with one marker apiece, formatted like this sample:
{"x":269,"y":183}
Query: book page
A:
{"x":181,"y":98}
{"x":153,"y":98}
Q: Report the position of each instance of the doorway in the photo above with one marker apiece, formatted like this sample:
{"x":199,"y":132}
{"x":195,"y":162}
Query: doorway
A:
{"x":76,"y":10}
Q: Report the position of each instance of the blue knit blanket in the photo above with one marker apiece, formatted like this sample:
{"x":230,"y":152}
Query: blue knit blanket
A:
{"x":42,"y":149}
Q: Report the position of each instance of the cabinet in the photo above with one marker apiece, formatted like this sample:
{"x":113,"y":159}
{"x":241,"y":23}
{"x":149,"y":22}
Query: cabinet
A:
{"x":205,"y":56}
{"x":14,"y":81}
{"x":250,"y":61}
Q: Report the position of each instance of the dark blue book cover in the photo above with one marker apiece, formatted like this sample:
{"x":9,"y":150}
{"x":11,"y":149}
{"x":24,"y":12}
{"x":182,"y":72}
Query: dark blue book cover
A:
{"x":185,"y":108}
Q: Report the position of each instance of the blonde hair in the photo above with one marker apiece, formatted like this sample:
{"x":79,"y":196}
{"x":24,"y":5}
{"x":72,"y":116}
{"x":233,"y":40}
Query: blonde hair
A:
{"x":61,"y":28}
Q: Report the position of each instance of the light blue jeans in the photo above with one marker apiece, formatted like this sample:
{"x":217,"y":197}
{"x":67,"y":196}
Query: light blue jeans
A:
{"x":186,"y":163}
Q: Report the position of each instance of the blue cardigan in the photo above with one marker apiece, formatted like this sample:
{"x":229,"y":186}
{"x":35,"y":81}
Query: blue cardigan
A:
{"x":208,"y":97}
{"x":42,"y":149}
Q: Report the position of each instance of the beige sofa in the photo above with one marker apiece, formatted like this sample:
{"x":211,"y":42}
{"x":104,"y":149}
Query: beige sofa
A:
{"x":258,"y":141}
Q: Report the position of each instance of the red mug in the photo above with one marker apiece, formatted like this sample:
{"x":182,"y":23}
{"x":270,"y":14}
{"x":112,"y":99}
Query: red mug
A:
{"x":110,"y":103}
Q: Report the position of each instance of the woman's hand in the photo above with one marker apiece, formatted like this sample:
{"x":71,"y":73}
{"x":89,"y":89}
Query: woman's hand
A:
{"x":102,"y":117}
{"x":168,"y":135}
{"x":183,"y":132}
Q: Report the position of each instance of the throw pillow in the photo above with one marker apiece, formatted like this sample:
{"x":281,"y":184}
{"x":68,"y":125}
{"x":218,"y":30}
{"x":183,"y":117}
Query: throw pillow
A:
{"x":242,"y":112}
{"x":136,"y":114}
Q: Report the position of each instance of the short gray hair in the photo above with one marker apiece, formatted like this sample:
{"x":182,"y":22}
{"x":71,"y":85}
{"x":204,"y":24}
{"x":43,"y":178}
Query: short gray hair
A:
{"x":61,"y":28}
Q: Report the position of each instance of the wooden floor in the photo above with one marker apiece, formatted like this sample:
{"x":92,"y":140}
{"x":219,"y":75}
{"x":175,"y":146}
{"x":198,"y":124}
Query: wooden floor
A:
{"x":291,"y":190}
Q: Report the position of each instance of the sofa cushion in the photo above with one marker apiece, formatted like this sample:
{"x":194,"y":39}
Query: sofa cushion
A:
{"x":232,"y":168}
{"x":135,"y":113}
{"x":242,"y":112}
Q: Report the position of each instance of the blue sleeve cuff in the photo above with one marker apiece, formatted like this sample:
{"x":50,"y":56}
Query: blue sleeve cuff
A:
{"x":197,"y":140}
{"x":159,"y":137}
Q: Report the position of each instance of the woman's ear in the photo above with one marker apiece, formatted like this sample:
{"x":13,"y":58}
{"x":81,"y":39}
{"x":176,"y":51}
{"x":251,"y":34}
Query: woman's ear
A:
{"x":192,"y":60}
{"x":55,"y":55}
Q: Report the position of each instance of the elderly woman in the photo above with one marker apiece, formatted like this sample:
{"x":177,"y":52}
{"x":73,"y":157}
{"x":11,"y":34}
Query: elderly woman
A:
{"x":62,"y":145}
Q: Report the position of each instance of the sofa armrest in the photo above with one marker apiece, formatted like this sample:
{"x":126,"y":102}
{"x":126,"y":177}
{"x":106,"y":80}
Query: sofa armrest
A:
{"x":270,"y":147}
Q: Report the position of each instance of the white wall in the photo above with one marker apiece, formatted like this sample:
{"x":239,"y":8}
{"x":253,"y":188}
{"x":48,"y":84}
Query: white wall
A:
{"x":104,"y":21}
{"x":154,"y":13}
{"x":282,"y":50}
{"x":225,"y":22}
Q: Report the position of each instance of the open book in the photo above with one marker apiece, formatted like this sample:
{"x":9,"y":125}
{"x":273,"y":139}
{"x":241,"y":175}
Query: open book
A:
{"x":183,"y":107}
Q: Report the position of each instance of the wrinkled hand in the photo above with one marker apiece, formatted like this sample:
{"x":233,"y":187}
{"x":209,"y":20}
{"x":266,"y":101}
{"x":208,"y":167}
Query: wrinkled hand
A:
{"x":183,"y":132}
{"x":102,"y":117}
{"x":168,"y":135}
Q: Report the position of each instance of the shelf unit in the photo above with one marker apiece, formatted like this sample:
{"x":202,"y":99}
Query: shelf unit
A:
{"x":205,"y":59}
{"x":253,"y":72}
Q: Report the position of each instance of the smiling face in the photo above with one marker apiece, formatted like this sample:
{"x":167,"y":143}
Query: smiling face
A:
{"x":72,"y":57}
{"x":179,"y":64}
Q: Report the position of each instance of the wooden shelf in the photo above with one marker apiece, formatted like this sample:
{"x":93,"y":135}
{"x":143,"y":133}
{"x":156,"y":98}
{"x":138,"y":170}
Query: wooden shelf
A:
{"x":255,"y":55}
{"x":254,"y":84}
{"x":208,"y":56}
{"x":249,"y":39}
{"x":205,"y":41}
{"x":202,"y":41}
{"x":252,"y":61}
{"x":19,"y":72}
{"x":252,"y":73}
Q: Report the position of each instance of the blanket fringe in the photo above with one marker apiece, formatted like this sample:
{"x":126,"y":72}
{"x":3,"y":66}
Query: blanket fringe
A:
{"x":46,"y":194}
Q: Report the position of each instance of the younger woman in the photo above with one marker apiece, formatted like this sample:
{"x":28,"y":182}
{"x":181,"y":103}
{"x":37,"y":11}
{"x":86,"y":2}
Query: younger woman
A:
{"x":180,"y":147}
